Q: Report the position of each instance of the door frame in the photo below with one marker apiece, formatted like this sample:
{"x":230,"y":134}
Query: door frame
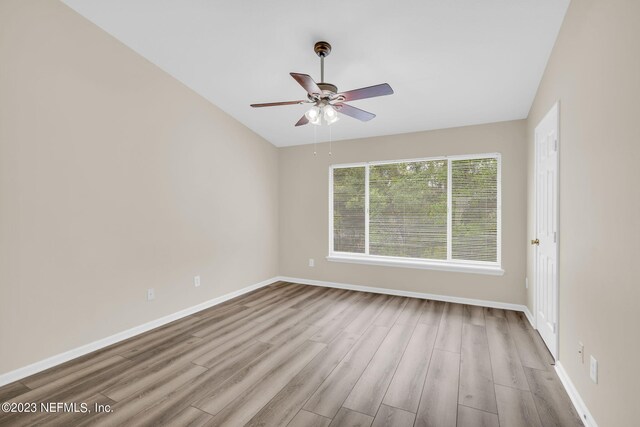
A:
{"x":555,"y":110}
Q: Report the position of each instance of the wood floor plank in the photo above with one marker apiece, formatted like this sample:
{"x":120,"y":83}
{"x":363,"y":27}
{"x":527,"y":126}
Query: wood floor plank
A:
{"x":470,"y":417}
{"x":518,"y":319}
{"x":48,"y":390}
{"x":12,"y":390}
{"x":271,"y":297}
{"x":406,"y":387}
{"x":284,"y":406}
{"x":331,"y":326}
{"x":329,"y":397}
{"x":449,"y":336}
{"x":244,"y":357}
{"x":366,"y":396}
{"x":162,"y":365}
{"x":124,"y":412}
{"x":308,"y":419}
{"x":216,"y":346}
{"x":245,"y":406}
{"x":388,"y":416}
{"x":272,"y":312}
{"x":349,"y":418}
{"x":552,"y":402}
{"x":229,"y":350}
{"x":543,"y":351}
{"x":528,"y":349}
{"x":411,"y":312}
{"x":313,"y":294}
{"x":473,"y":315}
{"x":367,"y":316}
{"x":439,"y":401}
{"x":296,"y":349}
{"x":322,"y":310}
{"x":79,"y":390}
{"x":241,"y":299}
{"x":432,"y":312}
{"x":147,"y":352}
{"x":505,"y":361}
{"x":391,"y":312}
{"x":282,"y":333}
{"x":476,"y":377}
{"x":342,"y":307}
{"x":164,"y":408}
{"x":516,"y":407}
{"x":191,"y":417}
{"x":495,"y":312}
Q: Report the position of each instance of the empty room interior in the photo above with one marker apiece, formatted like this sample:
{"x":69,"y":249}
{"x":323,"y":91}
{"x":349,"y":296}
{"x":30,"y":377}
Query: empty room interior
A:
{"x":345,"y":213}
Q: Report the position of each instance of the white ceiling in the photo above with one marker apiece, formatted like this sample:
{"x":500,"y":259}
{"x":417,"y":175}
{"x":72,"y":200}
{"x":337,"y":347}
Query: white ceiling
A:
{"x":450,"y":62}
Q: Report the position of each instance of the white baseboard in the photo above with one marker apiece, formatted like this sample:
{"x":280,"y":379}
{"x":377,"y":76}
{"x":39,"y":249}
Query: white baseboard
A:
{"x":52,"y":361}
{"x":446,"y":298}
{"x":575,"y":397}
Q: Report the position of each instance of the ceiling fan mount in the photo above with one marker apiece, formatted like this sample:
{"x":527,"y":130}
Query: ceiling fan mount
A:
{"x":326,"y":99}
{"x":322,"y":49}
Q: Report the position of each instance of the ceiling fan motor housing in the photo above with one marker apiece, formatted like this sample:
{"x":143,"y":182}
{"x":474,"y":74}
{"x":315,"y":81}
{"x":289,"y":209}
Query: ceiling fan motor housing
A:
{"x":328,"y":87}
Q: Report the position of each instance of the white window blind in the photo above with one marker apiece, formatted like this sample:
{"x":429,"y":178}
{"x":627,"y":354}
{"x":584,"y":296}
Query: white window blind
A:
{"x":441,"y":209}
{"x":474,"y":215}
{"x":408,"y":209}
{"x":349,"y":209}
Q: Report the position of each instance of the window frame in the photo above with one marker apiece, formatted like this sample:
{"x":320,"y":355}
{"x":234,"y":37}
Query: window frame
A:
{"x":480,"y":267}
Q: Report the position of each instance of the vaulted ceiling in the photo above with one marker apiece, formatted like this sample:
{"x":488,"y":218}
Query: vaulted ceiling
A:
{"x":450,"y":62}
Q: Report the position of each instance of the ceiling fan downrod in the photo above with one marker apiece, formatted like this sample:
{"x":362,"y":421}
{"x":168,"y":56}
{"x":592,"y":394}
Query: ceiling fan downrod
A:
{"x":322,"y":49}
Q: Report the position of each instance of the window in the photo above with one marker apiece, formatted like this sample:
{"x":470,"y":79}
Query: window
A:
{"x":441,"y":213}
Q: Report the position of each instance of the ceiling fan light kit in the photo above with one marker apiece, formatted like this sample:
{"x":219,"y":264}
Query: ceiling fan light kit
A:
{"x":327,"y":101}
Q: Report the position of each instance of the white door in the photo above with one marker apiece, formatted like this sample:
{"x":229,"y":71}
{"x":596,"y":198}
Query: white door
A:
{"x":546,"y":227}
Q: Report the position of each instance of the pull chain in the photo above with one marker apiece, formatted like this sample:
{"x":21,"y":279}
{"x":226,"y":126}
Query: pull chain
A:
{"x":329,"y":139}
{"x":315,"y":139}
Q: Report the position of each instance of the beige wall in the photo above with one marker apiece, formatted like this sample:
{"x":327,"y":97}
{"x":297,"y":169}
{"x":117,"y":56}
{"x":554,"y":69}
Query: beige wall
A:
{"x":115,"y":178}
{"x":594,"y":71}
{"x":304,"y":210}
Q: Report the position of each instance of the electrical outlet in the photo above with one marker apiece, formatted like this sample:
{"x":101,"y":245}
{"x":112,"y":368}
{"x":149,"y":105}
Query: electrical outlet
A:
{"x":196,"y":281}
{"x":311,"y":262}
{"x":526,"y":283}
{"x":151,"y":294}
{"x":580,"y":352}
{"x":593,"y":371}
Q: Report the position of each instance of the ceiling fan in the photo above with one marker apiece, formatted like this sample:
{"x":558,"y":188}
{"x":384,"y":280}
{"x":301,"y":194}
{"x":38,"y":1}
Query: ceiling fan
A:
{"x":326,"y":99}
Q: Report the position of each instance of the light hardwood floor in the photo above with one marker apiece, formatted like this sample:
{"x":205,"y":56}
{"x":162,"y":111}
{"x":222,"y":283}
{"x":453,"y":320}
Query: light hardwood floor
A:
{"x":299,"y":355}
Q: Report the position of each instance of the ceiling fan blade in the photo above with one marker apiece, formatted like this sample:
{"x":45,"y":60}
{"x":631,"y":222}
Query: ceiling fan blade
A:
{"x":366,"y":92}
{"x":354,"y":112}
{"x":307,"y":83}
{"x":303,"y":121}
{"x":275,"y":104}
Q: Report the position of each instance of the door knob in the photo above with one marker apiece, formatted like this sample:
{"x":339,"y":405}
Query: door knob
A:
{"x":535,"y":242}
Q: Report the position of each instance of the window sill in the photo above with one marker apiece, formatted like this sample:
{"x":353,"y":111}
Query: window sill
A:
{"x":414,"y":263}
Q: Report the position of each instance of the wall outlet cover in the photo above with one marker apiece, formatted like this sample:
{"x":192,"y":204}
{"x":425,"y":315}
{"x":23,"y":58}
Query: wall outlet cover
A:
{"x":151,"y":294}
{"x":196,"y":281}
{"x":311,"y":262}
